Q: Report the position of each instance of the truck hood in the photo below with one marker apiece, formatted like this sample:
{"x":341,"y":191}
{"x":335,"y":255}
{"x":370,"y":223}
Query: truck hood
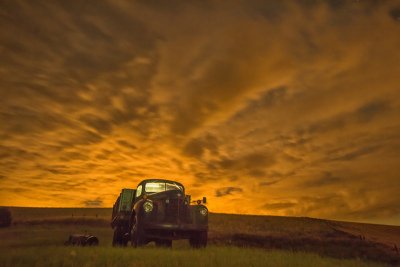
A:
{"x":170,"y":194}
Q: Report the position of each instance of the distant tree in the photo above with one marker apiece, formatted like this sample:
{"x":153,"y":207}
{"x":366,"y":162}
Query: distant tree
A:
{"x":5,"y":217}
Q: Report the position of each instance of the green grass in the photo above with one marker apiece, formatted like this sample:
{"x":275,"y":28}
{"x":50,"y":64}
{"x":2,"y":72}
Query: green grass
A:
{"x":211,"y":256}
{"x":41,"y":245}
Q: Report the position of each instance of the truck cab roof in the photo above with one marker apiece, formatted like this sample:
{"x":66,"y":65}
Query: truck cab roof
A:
{"x":152,"y":180}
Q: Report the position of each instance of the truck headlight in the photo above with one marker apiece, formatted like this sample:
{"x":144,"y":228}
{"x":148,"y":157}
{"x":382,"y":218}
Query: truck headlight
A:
{"x":203,"y":211}
{"x":148,"y":206}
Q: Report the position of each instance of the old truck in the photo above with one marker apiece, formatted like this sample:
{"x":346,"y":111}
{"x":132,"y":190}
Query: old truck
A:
{"x":159,"y":210}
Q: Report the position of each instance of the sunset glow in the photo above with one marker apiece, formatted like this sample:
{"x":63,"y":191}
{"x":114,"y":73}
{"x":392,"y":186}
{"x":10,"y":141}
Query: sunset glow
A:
{"x":266,"y":107}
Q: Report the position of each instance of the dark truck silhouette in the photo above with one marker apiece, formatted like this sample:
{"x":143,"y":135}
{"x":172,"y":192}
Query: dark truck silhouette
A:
{"x":158,"y":210}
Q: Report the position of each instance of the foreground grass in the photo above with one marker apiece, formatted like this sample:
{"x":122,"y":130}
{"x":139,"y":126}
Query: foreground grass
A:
{"x":211,"y":256}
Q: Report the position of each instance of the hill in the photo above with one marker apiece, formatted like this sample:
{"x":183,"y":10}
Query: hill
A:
{"x":325,"y":237}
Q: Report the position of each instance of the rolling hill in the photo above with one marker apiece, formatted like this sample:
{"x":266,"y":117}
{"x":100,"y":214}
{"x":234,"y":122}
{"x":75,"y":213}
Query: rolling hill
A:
{"x":377,"y":243}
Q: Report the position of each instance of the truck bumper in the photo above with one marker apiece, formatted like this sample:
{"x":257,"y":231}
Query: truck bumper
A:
{"x":171,"y":230}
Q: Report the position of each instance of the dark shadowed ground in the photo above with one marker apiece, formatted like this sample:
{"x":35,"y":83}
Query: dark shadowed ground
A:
{"x":328,"y":238}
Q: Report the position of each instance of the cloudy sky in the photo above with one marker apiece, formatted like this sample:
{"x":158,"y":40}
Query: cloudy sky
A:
{"x":265,"y":107}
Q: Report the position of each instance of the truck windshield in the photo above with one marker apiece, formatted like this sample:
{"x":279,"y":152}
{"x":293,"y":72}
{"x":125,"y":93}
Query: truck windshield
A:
{"x":155,"y":187}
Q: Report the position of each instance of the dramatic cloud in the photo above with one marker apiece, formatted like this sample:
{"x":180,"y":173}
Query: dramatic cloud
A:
{"x":266,"y":107}
{"x":220,"y":192}
{"x":93,"y":203}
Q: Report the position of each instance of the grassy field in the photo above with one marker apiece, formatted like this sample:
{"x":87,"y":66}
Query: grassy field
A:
{"x":37,"y":235}
{"x":211,"y":256}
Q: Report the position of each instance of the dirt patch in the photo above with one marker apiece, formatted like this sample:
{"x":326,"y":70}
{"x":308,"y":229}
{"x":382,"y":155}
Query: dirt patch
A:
{"x":338,"y":244}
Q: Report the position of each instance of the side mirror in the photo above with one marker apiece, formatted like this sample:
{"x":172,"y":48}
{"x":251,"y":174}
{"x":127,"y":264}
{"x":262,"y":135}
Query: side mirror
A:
{"x":204,"y":200}
{"x":188,"y":198}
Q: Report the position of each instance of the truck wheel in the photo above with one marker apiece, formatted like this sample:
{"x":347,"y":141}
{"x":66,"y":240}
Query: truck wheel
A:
{"x":198,"y":240}
{"x":117,"y":237}
{"x":137,"y":236}
{"x":125,"y":238}
{"x":166,"y":243}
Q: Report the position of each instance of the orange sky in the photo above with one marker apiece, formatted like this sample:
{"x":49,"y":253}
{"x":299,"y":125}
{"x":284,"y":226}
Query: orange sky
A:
{"x":265,"y":107}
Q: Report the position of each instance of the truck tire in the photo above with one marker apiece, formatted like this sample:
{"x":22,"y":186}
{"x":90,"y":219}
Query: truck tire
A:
{"x":198,"y":239}
{"x":117,"y":237}
{"x":126,"y":238}
{"x":137,"y":235}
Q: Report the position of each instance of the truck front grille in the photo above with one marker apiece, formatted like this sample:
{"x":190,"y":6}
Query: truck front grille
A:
{"x":176,"y":211}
